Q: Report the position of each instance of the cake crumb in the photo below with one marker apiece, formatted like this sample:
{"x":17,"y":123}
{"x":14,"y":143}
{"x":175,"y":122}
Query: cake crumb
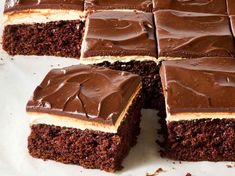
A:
{"x":229,"y":166}
{"x":188,"y":174}
{"x":155,"y":173}
{"x":12,"y":58}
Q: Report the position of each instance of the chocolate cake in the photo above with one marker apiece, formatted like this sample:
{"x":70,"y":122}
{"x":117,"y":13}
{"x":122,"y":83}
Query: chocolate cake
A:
{"x":230,"y":7}
{"x":191,"y":35}
{"x":200,"y":108}
{"x":200,"y":6}
{"x":43,"y":27}
{"x":140,"y":5}
{"x":129,"y":36}
{"x":85,"y":115}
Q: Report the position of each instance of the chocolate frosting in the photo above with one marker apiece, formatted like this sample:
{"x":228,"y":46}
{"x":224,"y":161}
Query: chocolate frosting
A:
{"x":232,"y":21}
{"x":113,"y":33}
{"x":191,"y":35}
{"x":142,"y":5}
{"x":199,"y":85}
{"x":201,"y":6}
{"x":231,"y":7}
{"x":85,"y":92}
{"x":13,"y":5}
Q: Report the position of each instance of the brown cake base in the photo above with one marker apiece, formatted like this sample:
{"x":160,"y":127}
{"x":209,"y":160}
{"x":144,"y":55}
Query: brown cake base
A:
{"x":200,"y":140}
{"x":60,"y":38}
{"x":90,"y":149}
{"x":149,"y":71}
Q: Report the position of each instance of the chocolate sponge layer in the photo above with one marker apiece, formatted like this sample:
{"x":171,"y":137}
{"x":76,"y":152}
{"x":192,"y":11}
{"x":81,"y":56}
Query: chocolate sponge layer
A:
{"x":198,"y":140}
{"x":60,"y":38}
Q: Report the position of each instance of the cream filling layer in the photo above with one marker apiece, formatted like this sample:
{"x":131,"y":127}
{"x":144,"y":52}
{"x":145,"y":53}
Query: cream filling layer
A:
{"x":41,"y":16}
{"x":199,"y":115}
{"x":112,"y":59}
{"x":69,"y":122}
{"x":162,"y":58}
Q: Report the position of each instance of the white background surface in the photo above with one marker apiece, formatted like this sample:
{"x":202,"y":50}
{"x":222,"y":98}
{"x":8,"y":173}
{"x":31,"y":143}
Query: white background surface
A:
{"x":18,"y":78}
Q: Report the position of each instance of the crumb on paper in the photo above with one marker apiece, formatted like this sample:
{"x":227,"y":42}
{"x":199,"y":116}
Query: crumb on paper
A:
{"x":173,"y":162}
{"x":229,"y":166}
{"x":159,"y":170}
{"x":180,"y":162}
{"x":12,"y":58}
{"x":58,"y":65}
{"x":188,"y":174}
{"x":52,"y":65}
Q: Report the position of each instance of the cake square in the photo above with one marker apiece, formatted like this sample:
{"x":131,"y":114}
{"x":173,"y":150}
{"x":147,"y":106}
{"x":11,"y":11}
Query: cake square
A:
{"x":129,"y":36}
{"x":200,"y":109}
{"x":230,"y":7}
{"x":43,"y":27}
{"x":139,"y":5}
{"x":200,"y":6}
{"x":192,"y":35}
{"x":85,"y":115}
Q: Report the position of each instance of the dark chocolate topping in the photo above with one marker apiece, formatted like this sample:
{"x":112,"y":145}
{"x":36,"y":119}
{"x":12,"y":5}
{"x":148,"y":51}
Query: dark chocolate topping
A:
{"x":113,"y":33}
{"x":143,"y":5}
{"x":199,"y":85}
{"x":232,"y":21}
{"x":201,"y":6}
{"x":192,"y":35}
{"x":85,"y":92}
{"x":13,"y":5}
{"x":231,"y":7}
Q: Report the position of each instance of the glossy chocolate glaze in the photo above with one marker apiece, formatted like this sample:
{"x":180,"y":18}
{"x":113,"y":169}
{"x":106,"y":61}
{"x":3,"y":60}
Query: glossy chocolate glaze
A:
{"x":85,"y":92}
{"x":191,"y":35}
{"x":142,"y":5}
{"x":199,"y":85}
{"x":232,"y":22}
{"x":231,"y":7}
{"x":201,"y":6}
{"x":113,"y":33}
{"x":13,"y":5}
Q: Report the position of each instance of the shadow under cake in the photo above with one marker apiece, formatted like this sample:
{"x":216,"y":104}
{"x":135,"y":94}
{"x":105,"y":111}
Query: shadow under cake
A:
{"x":85,"y":115}
{"x":200,"y":109}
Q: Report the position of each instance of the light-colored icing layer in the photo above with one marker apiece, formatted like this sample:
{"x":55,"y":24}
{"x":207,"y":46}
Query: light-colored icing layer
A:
{"x":112,"y":59}
{"x":41,"y":16}
{"x":199,"y":115}
{"x":164,"y":58}
{"x":63,"y":121}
